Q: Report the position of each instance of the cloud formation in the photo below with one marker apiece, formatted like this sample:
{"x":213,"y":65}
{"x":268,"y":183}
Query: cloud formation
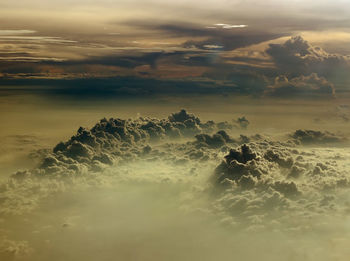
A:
{"x":293,"y":69}
{"x":308,"y":137}
{"x":298,"y":57}
{"x":261,"y":184}
{"x":230,"y":26}
{"x":257,"y":182}
{"x":302,"y":86}
{"x":15,"y":32}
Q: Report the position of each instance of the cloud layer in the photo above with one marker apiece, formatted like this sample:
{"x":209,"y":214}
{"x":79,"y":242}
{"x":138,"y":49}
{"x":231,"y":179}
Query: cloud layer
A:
{"x":294,"y":68}
{"x":261,"y":184}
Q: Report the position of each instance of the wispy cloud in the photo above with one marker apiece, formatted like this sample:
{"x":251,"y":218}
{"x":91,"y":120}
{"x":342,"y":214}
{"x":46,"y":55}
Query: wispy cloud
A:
{"x":15,"y":32}
{"x":229,"y":26}
{"x":213,"y":46}
{"x":48,"y":39}
{"x":30,"y":59}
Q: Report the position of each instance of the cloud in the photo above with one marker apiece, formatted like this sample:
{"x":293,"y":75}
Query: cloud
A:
{"x":229,"y":39}
{"x":237,"y":164}
{"x":230,"y":26}
{"x":302,"y":86}
{"x":13,"y":250}
{"x":232,"y":41}
{"x":111,"y":142}
{"x":291,"y":69}
{"x":26,"y":59}
{"x":310,"y":137}
{"x":258,"y":181}
{"x":262,"y":184}
{"x":111,"y":139}
{"x":15,"y":32}
{"x":301,"y":70}
{"x":243,"y":122}
{"x":127,"y":61}
{"x":121,"y":60}
{"x":217,"y":140}
{"x":35,"y":39}
{"x":212,"y":47}
{"x":118,"y":86}
{"x":297,"y":57}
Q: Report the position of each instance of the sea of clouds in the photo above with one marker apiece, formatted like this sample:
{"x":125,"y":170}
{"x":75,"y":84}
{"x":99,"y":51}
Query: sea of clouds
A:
{"x":180,"y":189}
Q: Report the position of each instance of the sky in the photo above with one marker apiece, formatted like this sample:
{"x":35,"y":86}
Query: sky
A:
{"x":269,"y":48}
{"x":174,"y":130}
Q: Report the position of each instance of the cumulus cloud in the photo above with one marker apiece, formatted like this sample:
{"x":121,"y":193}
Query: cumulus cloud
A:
{"x":298,"y":57}
{"x":217,"y":140}
{"x":309,"y":137}
{"x":243,"y":122}
{"x":302,"y":86}
{"x":113,"y":140}
{"x":260,"y":184}
{"x":238,"y":164}
{"x":117,"y":143}
{"x":258,"y":181}
{"x":13,"y":250}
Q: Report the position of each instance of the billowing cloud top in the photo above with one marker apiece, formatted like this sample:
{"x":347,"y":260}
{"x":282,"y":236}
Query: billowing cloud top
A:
{"x":246,"y":184}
